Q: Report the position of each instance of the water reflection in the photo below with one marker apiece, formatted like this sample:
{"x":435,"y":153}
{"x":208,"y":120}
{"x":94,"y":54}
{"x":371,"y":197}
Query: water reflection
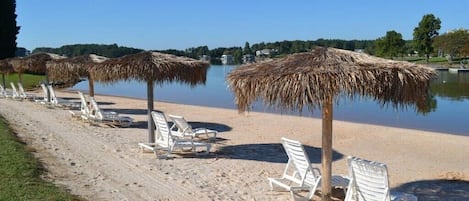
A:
{"x":454,"y":86}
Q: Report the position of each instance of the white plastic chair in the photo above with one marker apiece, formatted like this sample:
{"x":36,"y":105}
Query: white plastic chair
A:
{"x":299,"y":174}
{"x":183,"y":126}
{"x":3,"y":92}
{"x":45,"y":94}
{"x":23,"y":93}
{"x":168,"y":140}
{"x":84,"y":108}
{"x":15,"y":95}
{"x":107,"y":117}
{"x":369,"y":182}
{"x":54,"y":100}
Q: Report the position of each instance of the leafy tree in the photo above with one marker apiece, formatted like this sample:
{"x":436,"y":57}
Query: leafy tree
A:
{"x":8,"y":28}
{"x":424,"y":34}
{"x":247,"y":49}
{"x":391,"y":45}
{"x":454,"y":43}
{"x":111,"y":51}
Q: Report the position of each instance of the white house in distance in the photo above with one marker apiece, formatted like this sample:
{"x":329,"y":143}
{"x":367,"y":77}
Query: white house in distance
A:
{"x":205,"y":58}
{"x":227,"y":59}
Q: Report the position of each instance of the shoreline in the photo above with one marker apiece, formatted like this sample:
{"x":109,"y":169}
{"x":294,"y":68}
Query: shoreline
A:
{"x":101,"y":163}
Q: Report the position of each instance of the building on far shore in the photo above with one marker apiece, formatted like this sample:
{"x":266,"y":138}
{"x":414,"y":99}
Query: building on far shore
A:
{"x":249,"y":58}
{"x":227,"y":59}
{"x":205,"y":58}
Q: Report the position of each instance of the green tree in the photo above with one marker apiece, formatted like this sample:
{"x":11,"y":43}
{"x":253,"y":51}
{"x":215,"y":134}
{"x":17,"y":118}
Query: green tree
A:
{"x":424,"y":34}
{"x":8,"y":28}
{"x":391,"y":45}
{"x":247,"y":48}
{"x":454,"y":43}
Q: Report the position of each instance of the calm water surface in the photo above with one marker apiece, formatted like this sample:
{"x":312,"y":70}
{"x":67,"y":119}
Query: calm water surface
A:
{"x":449,"y":106}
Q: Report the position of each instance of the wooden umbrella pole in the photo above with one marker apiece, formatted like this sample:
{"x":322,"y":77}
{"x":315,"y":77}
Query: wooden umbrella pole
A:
{"x":3,"y":79}
{"x":90,"y":85}
{"x":151,"y":124}
{"x":326,"y":158}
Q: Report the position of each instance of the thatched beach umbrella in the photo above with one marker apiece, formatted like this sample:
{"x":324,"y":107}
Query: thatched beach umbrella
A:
{"x":35,"y":63}
{"x":152,"y":68}
{"x":72,"y":69}
{"x":5,"y":67}
{"x":313,"y":79}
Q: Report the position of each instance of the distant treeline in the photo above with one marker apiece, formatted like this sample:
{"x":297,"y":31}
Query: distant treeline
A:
{"x":279,"y":48}
{"x":111,"y":51}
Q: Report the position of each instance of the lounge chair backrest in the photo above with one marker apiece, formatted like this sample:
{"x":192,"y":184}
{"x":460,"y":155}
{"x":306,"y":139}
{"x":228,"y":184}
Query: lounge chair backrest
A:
{"x":95,"y":111}
{"x":53,"y":97}
{"x":84,"y":105}
{"x":21,"y":90}
{"x":181,"y":124}
{"x":162,"y":128}
{"x":14,"y":91}
{"x":2,"y":90}
{"x":45,"y":91}
{"x":299,"y":159}
{"x":369,"y":181}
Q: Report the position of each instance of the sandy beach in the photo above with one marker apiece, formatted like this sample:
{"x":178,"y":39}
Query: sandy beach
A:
{"x":105,"y":163}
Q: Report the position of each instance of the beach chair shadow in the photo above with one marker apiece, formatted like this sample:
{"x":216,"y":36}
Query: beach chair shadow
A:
{"x":130,"y":111}
{"x":106,"y":103}
{"x":273,"y":152}
{"x":438,"y":189}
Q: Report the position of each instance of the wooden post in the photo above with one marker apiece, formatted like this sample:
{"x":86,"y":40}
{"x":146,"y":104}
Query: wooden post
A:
{"x":3,"y":79}
{"x":20,"y":78}
{"x":326,"y":159}
{"x":151,"y":124}
{"x":90,"y":85}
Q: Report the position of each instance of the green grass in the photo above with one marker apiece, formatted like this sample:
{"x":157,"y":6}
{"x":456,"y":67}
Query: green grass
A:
{"x":29,"y":80}
{"x":20,"y":172}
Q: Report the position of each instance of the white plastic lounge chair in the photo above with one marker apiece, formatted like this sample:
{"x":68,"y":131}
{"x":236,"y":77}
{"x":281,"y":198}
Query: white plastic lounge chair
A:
{"x":84,"y":112}
{"x":3,"y":92}
{"x":107,"y":117}
{"x":369,"y":182}
{"x":54,"y":100}
{"x":168,"y":140}
{"x":15,"y":95}
{"x":184,"y":127}
{"x":23,"y":93}
{"x":299,"y":174}
{"x":45,"y":95}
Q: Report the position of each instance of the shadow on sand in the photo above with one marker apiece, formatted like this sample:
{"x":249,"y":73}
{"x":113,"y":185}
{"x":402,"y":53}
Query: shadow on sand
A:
{"x":273,"y":153}
{"x":431,"y":190}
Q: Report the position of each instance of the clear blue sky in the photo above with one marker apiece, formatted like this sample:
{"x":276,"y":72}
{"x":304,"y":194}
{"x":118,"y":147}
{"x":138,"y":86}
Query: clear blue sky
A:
{"x":180,"y":24}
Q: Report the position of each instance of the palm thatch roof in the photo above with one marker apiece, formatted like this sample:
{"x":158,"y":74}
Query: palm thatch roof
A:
{"x":151,"y":66}
{"x":35,"y":63}
{"x":306,"y":79}
{"x":314,"y":78}
{"x":5,"y":66}
{"x":72,"y":69}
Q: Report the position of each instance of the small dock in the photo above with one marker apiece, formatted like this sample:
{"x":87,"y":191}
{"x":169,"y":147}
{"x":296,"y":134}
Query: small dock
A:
{"x":458,"y":70}
{"x":453,"y":70}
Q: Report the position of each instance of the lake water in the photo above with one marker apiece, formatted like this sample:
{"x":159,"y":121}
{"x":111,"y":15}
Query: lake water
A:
{"x":449,"y":106}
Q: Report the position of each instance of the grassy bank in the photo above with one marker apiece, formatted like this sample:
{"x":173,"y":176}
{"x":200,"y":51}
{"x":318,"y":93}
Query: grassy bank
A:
{"x":29,"y":80}
{"x":20,"y":172}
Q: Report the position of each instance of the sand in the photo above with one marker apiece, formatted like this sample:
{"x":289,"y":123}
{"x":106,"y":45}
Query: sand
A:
{"x":105,"y":163}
